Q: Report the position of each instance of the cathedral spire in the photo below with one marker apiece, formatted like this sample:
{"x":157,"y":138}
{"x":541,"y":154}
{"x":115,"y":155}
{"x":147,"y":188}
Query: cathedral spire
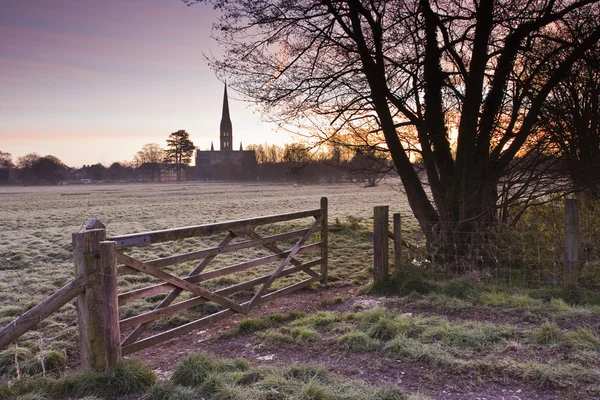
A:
{"x":226,"y":128}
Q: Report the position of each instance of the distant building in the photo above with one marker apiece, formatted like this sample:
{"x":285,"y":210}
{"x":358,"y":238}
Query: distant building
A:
{"x":158,"y":172}
{"x":225,"y":163}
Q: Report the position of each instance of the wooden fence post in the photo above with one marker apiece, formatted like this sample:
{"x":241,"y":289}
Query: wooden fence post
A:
{"x":324,"y":241}
{"x":112,"y":331}
{"x":397,"y":245}
{"x":571,"y":256}
{"x":92,"y":303}
{"x":380,"y":246}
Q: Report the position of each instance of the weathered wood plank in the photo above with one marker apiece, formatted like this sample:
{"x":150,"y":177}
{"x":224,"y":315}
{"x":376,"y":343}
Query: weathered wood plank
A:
{"x":94,"y":224}
{"x":287,"y":290}
{"x":180,"y":258}
{"x":137,"y":332}
{"x":112,"y":332}
{"x":90,"y":304}
{"x":380,"y":243}
{"x":324,"y":240}
{"x":178,"y":282}
{"x":175,"y":332}
{"x":15,"y":329}
{"x":144,"y":238}
{"x":196,"y":301}
{"x":163,"y":287}
{"x":163,"y":262}
{"x":397,"y":245}
{"x":191,"y":326}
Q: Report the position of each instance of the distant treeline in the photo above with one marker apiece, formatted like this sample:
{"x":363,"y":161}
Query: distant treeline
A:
{"x":293,"y":163}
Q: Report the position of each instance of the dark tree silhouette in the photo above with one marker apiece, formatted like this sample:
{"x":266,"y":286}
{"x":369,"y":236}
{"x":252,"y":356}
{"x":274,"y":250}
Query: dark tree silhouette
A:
{"x":571,"y":119}
{"x":462,"y":81}
{"x":180,"y":150}
{"x":39,"y":170}
{"x":6,"y":160}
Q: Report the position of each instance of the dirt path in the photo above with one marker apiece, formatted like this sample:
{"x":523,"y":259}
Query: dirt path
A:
{"x":412,"y":376}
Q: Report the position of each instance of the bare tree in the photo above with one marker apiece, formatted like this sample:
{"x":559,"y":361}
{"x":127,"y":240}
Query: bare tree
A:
{"x":28,"y":160}
{"x":150,"y":153}
{"x":459,"y":83}
{"x":571,"y":119}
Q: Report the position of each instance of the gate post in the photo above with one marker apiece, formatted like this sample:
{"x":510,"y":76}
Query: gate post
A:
{"x":112,"y":330}
{"x":324,"y":240}
{"x":380,"y":243}
{"x":571,"y":257}
{"x":397,"y":245}
{"x":93,"y":261}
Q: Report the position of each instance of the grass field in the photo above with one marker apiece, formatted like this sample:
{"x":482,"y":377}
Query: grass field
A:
{"x":36,"y":224}
{"x":459,"y":339}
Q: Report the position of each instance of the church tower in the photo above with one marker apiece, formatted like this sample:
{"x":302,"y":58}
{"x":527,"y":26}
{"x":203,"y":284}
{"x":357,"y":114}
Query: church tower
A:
{"x":226,"y":128}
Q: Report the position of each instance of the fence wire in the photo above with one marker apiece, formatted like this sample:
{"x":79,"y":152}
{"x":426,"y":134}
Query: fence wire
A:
{"x":529,"y":254}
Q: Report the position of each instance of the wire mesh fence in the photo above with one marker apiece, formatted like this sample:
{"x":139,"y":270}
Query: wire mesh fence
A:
{"x":530,"y":253}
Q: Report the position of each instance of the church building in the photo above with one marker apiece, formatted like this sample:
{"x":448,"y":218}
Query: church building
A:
{"x":225,"y":163}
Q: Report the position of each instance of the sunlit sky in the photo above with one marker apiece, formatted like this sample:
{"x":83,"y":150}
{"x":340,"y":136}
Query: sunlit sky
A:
{"x":94,"y":80}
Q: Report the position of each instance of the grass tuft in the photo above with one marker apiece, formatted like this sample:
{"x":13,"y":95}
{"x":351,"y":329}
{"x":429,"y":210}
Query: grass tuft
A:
{"x":195,"y":369}
{"x":165,"y":390}
{"x":249,"y":325}
{"x":359,"y":342}
{"x":306,"y":373}
{"x":304,"y":334}
{"x":126,"y":378}
{"x":273,"y":339}
{"x":548,"y":334}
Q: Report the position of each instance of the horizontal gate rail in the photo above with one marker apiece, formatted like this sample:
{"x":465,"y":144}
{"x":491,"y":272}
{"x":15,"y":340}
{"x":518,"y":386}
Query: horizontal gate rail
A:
{"x":192,"y":326}
{"x":145,"y":238}
{"x":196,"y":301}
{"x":165,"y":287}
{"x":196,"y":255}
{"x":40,"y":312}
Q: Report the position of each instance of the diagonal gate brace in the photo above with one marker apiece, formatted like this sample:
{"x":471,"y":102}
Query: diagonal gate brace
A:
{"x":138,"y":330}
{"x":178,"y":282}
{"x":283,"y":263}
{"x":277,"y":250}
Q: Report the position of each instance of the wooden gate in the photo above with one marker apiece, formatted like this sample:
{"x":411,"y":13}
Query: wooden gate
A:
{"x":100,"y":325}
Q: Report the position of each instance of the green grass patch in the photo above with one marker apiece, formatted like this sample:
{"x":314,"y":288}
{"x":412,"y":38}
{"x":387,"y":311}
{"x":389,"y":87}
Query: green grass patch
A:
{"x":321,"y":319}
{"x":127,"y":378}
{"x":304,"y":334}
{"x":252,"y":324}
{"x":271,"y":338}
{"x":358,"y":342}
